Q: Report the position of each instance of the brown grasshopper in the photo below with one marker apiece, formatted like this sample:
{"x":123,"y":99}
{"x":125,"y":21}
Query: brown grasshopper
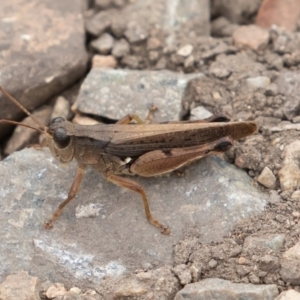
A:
{"x":135,"y":149}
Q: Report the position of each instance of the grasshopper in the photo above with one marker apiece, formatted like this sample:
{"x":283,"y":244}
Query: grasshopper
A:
{"x":140,"y":149}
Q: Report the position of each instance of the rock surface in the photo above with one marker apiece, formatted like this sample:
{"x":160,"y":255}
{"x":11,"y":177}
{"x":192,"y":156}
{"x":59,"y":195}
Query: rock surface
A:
{"x":212,"y":196}
{"x":214,"y":288}
{"x":42,"y":51}
{"x":115,"y":93}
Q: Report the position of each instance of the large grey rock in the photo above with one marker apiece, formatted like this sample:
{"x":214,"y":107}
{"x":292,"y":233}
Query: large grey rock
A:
{"x":215,"y":288}
{"x":42,"y":51}
{"x":109,"y":234}
{"x":116,"y":93}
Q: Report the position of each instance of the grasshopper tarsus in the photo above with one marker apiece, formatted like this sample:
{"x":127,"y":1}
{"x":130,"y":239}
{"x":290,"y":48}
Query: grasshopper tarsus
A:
{"x":48,"y":225}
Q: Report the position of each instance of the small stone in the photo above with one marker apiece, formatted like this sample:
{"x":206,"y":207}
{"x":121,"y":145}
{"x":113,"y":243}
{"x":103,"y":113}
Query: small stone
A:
{"x":129,"y":289}
{"x":215,"y":288}
{"x":254,"y":279}
{"x":243,"y":270}
{"x":61,"y":108}
{"x":121,"y":48}
{"x":99,"y":23}
{"x":251,"y":36}
{"x":288,"y":295}
{"x":22,"y":136}
{"x":269,"y":263}
{"x":267,"y":178}
{"x":200,"y":113}
{"x":212,"y":263}
{"x":258,"y":82}
{"x":20,"y":286}
{"x":183,"y":273}
{"x":189,"y":62}
{"x":271,"y":89}
{"x":153,"y":56}
{"x":290,"y":264}
{"x":289,"y":174}
{"x":130,"y":61}
{"x":221,"y":27}
{"x":264,"y":243}
{"x":144,"y":276}
{"x":242,"y":261}
{"x":75,"y":290}
{"x":135,"y":32}
{"x":296,"y":214}
{"x":161,"y":64}
{"x":296,"y":195}
{"x":118,"y":27}
{"x":102,"y":4}
{"x":296,"y":119}
{"x":220,"y":72}
{"x":104,"y":61}
{"x":56,"y":290}
{"x":103,"y":44}
{"x":185,"y":51}
{"x":153,"y":43}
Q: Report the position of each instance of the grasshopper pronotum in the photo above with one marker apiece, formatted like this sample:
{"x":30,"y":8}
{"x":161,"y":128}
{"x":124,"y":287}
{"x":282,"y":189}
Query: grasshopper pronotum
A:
{"x":134,"y":149}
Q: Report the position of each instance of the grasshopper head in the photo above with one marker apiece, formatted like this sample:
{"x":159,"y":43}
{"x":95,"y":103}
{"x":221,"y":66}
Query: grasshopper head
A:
{"x":60,"y":139}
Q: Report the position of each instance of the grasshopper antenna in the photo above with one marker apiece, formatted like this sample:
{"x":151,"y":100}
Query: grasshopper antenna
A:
{"x":12,"y":99}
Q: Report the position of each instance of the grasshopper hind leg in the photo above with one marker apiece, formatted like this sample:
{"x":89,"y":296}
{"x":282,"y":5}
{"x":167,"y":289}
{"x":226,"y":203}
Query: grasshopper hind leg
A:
{"x":134,"y":186}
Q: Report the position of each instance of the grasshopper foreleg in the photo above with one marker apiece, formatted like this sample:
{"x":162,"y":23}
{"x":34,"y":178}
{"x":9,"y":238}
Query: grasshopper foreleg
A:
{"x":72,"y":193}
{"x":134,"y":186}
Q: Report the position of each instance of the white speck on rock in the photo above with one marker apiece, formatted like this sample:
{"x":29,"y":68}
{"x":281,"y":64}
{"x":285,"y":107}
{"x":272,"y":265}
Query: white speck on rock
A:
{"x":89,"y":210}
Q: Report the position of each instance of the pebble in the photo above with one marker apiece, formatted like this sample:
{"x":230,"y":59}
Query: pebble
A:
{"x":183,"y":273}
{"x":296,"y":195}
{"x":267,"y":178}
{"x":290,"y":265}
{"x":104,"y":61}
{"x":289,"y":174}
{"x":103,"y":44}
{"x":185,"y":51}
{"x":212,"y":263}
{"x":56,"y":290}
{"x":20,"y":286}
{"x":153,"y":43}
{"x":251,"y":36}
{"x":272,"y":242}
{"x":289,"y":295}
{"x":61,"y":108}
{"x":296,"y":119}
{"x":200,"y":113}
{"x":135,"y":32}
{"x":153,"y":56}
{"x":213,"y":288}
{"x":99,"y":23}
{"x":23,"y":136}
{"x":258,"y":82}
{"x":120,"y":48}
{"x":189,"y":62}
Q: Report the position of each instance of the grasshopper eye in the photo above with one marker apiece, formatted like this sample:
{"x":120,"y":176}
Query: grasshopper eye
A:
{"x":61,"y":138}
{"x":57,"y":120}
